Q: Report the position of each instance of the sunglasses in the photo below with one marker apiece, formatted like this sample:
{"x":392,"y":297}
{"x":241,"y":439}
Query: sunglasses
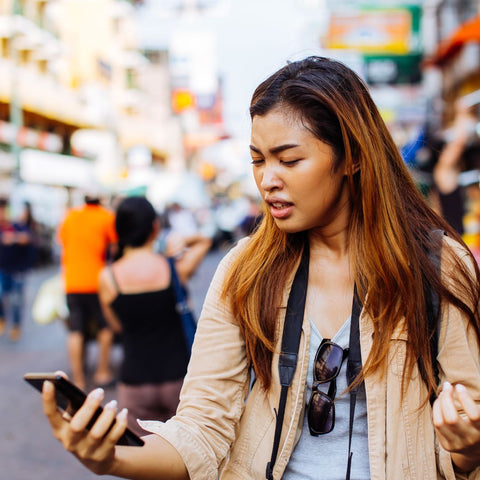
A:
{"x":321,"y":406}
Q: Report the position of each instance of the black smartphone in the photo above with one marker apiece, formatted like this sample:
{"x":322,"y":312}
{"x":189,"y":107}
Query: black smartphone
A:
{"x":70,"y":398}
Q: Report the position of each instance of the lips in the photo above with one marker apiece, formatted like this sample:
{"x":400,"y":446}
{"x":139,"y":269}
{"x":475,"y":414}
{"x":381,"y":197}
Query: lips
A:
{"x":279,"y":208}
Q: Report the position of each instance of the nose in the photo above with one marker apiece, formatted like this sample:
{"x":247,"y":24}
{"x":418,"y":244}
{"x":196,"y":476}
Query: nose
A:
{"x":270,"y":179}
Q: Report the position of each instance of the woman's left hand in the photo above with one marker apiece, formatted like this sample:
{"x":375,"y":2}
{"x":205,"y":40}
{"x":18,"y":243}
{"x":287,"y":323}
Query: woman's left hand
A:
{"x":458,"y":434}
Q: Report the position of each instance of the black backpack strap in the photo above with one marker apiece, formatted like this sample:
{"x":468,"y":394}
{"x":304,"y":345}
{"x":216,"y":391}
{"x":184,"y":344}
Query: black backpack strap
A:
{"x":354,"y":366}
{"x":433,"y":307}
{"x":354,"y":363}
{"x":287,"y":363}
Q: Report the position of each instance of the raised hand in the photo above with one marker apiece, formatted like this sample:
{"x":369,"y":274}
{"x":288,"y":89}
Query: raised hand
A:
{"x":458,"y":433}
{"x":95,"y":448}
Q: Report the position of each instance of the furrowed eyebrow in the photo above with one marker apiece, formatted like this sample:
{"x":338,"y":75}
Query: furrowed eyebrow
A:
{"x":275,"y":150}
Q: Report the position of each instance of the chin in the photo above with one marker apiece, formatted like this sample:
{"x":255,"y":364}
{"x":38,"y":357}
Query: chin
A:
{"x":289,"y":227}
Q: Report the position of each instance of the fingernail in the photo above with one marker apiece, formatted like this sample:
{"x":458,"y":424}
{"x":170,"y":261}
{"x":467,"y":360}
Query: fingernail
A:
{"x":447,"y":387}
{"x":111,"y":405}
{"x":47,"y":386}
{"x":460,"y":388}
{"x":98,"y":393}
{"x":123,"y":414}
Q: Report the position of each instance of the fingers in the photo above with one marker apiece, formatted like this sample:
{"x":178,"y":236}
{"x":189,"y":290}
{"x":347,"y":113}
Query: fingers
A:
{"x":101,"y":429}
{"x":447,"y":403}
{"x":89,"y":408}
{"x":92,"y":432}
{"x":104,"y":434}
{"x":456,"y":432}
{"x":81,"y":421}
{"x":445,"y":409}
{"x":74,"y":433}
{"x":105,"y":422}
{"x":471,"y":409}
{"x":50,"y":405}
{"x":119,"y":427}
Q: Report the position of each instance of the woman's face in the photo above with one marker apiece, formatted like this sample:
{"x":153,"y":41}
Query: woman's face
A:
{"x":294,"y":172}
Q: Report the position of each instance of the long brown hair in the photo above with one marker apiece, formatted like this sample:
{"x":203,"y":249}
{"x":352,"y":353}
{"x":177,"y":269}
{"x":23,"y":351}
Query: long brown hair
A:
{"x":390,"y":232}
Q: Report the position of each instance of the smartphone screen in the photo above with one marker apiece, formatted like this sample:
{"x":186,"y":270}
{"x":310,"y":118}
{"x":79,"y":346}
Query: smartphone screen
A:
{"x":70,"y":398}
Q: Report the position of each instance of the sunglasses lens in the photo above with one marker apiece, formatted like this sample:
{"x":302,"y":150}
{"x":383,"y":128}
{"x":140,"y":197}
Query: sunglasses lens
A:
{"x":320,"y":414}
{"x":328,"y":361}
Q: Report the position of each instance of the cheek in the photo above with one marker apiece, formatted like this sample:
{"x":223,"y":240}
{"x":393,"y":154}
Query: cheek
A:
{"x":315,"y":184}
{"x":257,"y":177}
{"x":320,"y":188}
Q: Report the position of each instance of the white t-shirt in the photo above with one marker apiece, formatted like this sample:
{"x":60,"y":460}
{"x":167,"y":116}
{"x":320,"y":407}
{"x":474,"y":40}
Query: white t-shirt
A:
{"x":325,"y":456}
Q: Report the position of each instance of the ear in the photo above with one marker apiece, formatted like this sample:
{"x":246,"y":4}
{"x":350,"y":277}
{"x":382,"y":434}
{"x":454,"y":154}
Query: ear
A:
{"x":156,"y":227}
{"x":355,"y":167}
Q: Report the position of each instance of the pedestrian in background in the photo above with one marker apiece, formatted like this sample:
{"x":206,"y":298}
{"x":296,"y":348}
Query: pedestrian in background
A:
{"x":457,"y":176}
{"x":27,"y":221}
{"x":138,"y":300}
{"x":15,"y":260}
{"x":347,"y":250}
{"x":459,"y":154}
{"x":252,"y":219}
{"x":85,"y":235}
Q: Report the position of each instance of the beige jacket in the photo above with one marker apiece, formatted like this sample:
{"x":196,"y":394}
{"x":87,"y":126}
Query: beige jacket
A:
{"x":218,"y":429}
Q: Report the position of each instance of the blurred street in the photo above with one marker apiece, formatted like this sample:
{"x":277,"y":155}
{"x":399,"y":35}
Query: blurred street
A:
{"x":27,"y":448}
{"x":111,"y":99}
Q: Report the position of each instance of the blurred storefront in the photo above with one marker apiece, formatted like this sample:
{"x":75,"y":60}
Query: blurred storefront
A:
{"x":77,"y":97}
{"x":457,"y":58}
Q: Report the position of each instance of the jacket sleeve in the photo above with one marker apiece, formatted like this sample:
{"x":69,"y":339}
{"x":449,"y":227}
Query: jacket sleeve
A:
{"x":459,"y":362}
{"x":213,"y":395}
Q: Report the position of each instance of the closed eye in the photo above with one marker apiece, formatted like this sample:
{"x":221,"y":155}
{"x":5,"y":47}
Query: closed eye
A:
{"x":289,"y":163}
{"x":257,"y":161}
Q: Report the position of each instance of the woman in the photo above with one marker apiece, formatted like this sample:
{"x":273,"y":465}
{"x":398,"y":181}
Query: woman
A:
{"x":138,"y":301}
{"x":333,"y":183}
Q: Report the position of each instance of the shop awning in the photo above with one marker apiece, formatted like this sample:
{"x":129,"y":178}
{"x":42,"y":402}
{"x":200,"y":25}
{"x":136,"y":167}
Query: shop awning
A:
{"x":465,"y":33}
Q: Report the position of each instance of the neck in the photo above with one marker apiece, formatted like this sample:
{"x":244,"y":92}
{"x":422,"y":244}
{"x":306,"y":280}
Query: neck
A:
{"x":146,"y":248}
{"x":334,"y":245}
{"x":331,"y":240}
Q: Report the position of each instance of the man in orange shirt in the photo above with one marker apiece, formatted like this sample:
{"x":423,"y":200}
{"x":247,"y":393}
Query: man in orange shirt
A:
{"x":85,"y":235}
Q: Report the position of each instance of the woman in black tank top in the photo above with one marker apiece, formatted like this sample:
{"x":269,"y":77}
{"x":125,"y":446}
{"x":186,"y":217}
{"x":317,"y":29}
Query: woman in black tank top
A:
{"x":139,"y":302}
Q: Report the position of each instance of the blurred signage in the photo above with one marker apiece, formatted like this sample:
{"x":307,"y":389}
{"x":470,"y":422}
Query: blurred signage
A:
{"x":54,"y":169}
{"x":182,"y":100}
{"x":197,"y":90}
{"x":382,"y":30}
{"x":392,"y":69}
{"x":193,"y":61}
{"x":28,"y":137}
{"x":388,"y":39}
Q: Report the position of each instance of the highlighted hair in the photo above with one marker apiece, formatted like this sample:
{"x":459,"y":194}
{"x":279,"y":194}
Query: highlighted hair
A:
{"x":389,"y":232}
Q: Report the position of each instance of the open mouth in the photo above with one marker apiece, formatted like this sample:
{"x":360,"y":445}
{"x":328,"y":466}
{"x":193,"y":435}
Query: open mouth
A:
{"x":280,"y":209}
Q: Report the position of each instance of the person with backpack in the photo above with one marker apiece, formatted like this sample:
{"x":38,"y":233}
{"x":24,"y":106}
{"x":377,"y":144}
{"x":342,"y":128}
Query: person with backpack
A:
{"x":315,"y":354}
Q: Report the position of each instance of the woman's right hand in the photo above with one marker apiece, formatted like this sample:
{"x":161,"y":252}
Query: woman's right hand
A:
{"x":95,"y":448}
